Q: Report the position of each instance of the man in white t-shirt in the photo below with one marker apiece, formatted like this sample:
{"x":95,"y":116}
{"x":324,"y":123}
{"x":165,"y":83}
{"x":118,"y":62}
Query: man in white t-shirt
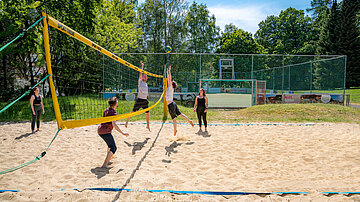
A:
{"x":141,"y":100}
{"x":173,"y":108}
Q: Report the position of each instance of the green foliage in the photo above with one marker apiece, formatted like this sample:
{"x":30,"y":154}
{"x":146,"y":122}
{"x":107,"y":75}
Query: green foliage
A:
{"x":116,"y":26}
{"x":296,"y":113}
{"x":327,"y":45}
{"x":259,"y":113}
{"x":201,"y":29}
{"x":328,"y":41}
{"x":20,"y":58}
{"x":162,"y":24}
{"x":238,"y":41}
{"x":21,"y":110}
{"x":318,"y":7}
{"x":349,"y":40}
{"x":286,"y":33}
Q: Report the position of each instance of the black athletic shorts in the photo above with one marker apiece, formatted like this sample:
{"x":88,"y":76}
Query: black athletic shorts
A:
{"x":141,"y":103}
{"x":109,"y":139}
{"x":173,"y":110}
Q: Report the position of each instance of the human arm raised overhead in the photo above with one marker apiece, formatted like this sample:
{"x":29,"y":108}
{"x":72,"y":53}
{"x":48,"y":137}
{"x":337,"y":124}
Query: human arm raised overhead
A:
{"x":168,"y":71}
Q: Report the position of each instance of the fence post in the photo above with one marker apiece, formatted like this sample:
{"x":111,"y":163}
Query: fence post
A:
{"x":289,"y":77}
{"x":200,"y":73}
{"x":252,"y":66}
{"x":345,"y":58}
{"x":273,"y":80}
{"x":311,"y":77}
{"x":282,"y":80}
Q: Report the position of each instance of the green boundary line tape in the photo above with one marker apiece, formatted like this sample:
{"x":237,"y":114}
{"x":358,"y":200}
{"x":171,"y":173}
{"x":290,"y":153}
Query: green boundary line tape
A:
{"x":27,"y":92}
{"x":21,"y":34}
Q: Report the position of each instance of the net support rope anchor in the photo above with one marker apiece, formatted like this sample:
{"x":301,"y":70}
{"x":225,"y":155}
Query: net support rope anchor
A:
{"x":41,"y":155}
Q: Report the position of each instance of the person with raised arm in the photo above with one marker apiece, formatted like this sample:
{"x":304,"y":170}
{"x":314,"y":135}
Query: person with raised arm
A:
{"x":173,"y":108}
{"x":141,"y":100}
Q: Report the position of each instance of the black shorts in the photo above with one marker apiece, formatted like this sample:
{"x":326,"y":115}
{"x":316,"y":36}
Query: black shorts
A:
{"x":141,"y":103}
{"x":173,"y":110}
{"x":110,"y":142}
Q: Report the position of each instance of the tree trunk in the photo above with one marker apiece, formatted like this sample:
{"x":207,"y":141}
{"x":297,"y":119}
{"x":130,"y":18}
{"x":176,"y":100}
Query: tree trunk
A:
{"x":32,"y":81}
{"x":5,"y":71}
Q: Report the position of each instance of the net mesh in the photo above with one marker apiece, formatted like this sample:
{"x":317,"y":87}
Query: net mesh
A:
{"x":84,"y":82}
{"x":281,"y":72}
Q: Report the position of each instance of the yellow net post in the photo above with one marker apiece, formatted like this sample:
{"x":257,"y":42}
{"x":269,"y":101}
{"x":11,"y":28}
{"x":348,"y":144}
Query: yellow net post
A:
{"x":48,"y":66}
{"x":49,"y":21}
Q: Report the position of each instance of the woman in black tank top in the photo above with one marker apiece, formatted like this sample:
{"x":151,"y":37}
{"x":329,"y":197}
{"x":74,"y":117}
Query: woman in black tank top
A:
{"x":201,"y":105}
{"x":37,"y":108}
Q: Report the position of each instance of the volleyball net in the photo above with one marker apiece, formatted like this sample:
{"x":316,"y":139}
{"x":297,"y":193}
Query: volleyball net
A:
{"x":81,"y":83}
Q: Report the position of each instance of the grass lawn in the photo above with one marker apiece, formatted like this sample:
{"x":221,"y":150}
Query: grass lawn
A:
{"x":84,"y":107}
{"x":90,"y":107}
{"x":293,"y":113}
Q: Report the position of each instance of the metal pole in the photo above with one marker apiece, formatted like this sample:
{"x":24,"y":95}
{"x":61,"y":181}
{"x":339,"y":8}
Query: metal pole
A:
{"x":220,"y":69}
{"x":252,"y":67}
{"x":289,"y":77}
{"x":273,"y":80}
{"x":200,"y":73}
{"x":233,"y":72}
{"x":345,"y":75}
{"x":282,"y":82}
{"x":311,"y":77}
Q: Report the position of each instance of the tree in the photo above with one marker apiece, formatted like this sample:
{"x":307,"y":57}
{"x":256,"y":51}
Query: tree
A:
{"x":319,"y":7}
{"x":349,"y":40}
{"x":239,"y":41}
{"x":286,"y":33}
{"x":116,"y":26}
{"x":267,"y":34}
{"x":162,"y":24}
{"x":71,"y":58}
{"x":201,"y":29}
{"x":328,"y":39}
{"x":20,"y":58}
{"x":328,"y":44}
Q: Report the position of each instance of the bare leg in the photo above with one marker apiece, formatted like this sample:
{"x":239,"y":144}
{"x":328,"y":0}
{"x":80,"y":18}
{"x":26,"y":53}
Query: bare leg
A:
{"x":109,"y":155}
{"x":127,"y":121}
{"x":108,"y":149}
{"x":147,"y":121}
{"x":175,"y":127}
{"x":183,"y":115}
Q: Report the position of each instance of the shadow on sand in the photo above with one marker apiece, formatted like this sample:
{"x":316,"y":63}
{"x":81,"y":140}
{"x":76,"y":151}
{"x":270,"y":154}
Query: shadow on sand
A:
{"x":139,"y":164}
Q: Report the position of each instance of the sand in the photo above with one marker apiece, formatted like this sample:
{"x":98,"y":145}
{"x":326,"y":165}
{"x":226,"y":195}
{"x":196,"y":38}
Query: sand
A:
{"x":314,"y":158}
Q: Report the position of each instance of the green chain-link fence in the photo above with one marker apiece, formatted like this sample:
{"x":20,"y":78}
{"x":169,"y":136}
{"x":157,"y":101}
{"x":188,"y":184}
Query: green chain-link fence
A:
{"x":301,"y":73}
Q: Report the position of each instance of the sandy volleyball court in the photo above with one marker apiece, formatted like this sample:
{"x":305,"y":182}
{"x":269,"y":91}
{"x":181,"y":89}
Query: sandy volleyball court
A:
{"x":256,"y":158}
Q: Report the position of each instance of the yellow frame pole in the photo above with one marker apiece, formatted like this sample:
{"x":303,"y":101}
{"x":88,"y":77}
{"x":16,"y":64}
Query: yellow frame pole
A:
{"x":48,"y":66}
{"x":49,"y":21}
